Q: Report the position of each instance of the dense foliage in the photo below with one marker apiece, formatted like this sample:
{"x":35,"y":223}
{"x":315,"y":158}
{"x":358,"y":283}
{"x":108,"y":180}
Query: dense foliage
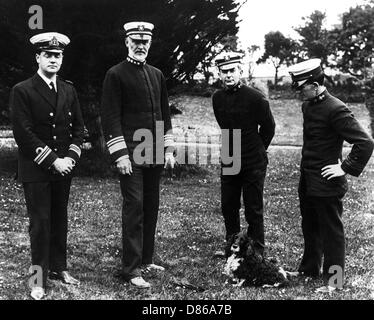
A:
{"x":185,"y":32}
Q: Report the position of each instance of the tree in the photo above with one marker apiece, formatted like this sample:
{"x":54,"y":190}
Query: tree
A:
{"x":355,"y":49}
{"x":315,"y":38}
{"x":185,"y":32}
{"x":191,"y":29}
{"x":355,"y":41}
{"x":12,"y":68}
{"x":251,"y":65}
{"x":316,"y":41}
{"x":228,"y":43}
{"x":279,"y":50}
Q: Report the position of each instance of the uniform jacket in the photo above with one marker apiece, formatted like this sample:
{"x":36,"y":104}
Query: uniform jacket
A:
{"x":135,"y":97}
{"x":45,"y":128}
{"x":247,"y":109}
{"x":327,"y":123}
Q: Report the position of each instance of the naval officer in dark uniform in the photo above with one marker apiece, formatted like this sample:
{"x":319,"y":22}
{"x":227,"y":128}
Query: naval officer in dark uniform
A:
{"x":48,"y":129}
{"x":134,"y":102}
{"x":327,"y":124}
{"x":238,"y":106}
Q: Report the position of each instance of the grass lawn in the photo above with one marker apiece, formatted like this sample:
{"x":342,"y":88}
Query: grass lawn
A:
{"x":198,"y":118}
{"x":190,"y":230}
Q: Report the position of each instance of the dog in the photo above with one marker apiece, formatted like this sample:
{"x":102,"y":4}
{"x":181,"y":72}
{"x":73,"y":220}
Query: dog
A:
{"x":247,"y":267}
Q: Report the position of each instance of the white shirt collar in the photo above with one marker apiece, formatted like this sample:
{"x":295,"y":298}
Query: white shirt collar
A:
{"x":47,"y":80}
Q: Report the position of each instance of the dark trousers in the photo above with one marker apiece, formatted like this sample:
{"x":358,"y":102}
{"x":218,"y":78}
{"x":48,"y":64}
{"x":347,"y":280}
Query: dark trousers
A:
{"x":323,"y":233}
{"x":141,"y":194}
{"x":251,"y":182}
{"x":46,"y":204}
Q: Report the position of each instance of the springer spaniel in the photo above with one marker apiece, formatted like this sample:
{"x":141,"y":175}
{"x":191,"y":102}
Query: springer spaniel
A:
{"x":247,"y":267}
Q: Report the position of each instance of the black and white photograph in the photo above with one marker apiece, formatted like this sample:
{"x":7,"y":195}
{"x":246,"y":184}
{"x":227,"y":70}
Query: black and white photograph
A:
{"x":188,"y":156}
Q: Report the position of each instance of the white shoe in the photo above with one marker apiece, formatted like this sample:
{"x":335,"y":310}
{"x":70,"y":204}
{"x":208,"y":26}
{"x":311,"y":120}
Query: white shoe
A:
{"x":37,"y":293}
{"x":140,"y":283}
{"x":219,"y":254}
{"x":152,"y":267}
{"x":292,"y":274}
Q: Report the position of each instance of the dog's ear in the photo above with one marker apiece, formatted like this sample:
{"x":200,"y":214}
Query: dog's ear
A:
{"x":231,"y":239}
{"x":258,"y":256}
{"x":250,"y":245}
{"x":244,"y":240}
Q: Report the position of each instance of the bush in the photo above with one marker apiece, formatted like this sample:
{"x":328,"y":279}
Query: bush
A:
{"x":94,"y":163}
{"x":258,"y":85}
{"x":4,"y":109}
{"x":8,"y":160}
{"x":353,"y":97}
{"x":348,"y":91}
{"x":185,"y":171}
{"x":201,"y":89}
{"x":282,"y":92}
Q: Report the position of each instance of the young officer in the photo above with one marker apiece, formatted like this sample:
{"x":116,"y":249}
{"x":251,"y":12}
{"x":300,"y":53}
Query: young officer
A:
{"x":237,"y":106}
{"x":327,"y":123}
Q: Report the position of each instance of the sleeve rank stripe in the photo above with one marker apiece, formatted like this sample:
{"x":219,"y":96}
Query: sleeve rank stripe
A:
{"x":41,"y":153}
{"x":76,"y":149}
{"x":42,"y":156}
{"x":117,"y":146}
{"x":115,"y":140}
{"x":168,"y":140}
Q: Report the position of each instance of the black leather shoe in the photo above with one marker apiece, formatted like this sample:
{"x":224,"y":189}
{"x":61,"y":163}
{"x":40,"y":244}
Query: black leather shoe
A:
{"x":310,"y":274}
{"x":63,"y":276}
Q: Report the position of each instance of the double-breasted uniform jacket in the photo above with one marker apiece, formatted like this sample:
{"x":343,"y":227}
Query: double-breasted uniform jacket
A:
{"x":246,"y":109}
{"x":327,"y":123}
{"x":45,"y":127}
{"x":135,"y":97}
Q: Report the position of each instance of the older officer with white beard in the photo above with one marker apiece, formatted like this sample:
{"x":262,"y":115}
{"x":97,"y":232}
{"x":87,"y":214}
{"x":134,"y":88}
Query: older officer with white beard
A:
{"x":135,"y":98}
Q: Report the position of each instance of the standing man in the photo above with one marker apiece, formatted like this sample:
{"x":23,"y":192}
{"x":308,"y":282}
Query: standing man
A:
{"x":327,"y":123}
{"x":240,"y":107}
{"x":48,"y":129}
{"x":135,"y":100}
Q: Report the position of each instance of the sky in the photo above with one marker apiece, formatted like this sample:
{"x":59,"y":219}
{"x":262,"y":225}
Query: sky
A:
{"x":262,"y":16}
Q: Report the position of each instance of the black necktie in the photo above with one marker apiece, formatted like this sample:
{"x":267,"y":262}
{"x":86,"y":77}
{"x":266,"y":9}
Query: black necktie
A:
{"x":54,"y":92}
{"x":52,"y":87}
